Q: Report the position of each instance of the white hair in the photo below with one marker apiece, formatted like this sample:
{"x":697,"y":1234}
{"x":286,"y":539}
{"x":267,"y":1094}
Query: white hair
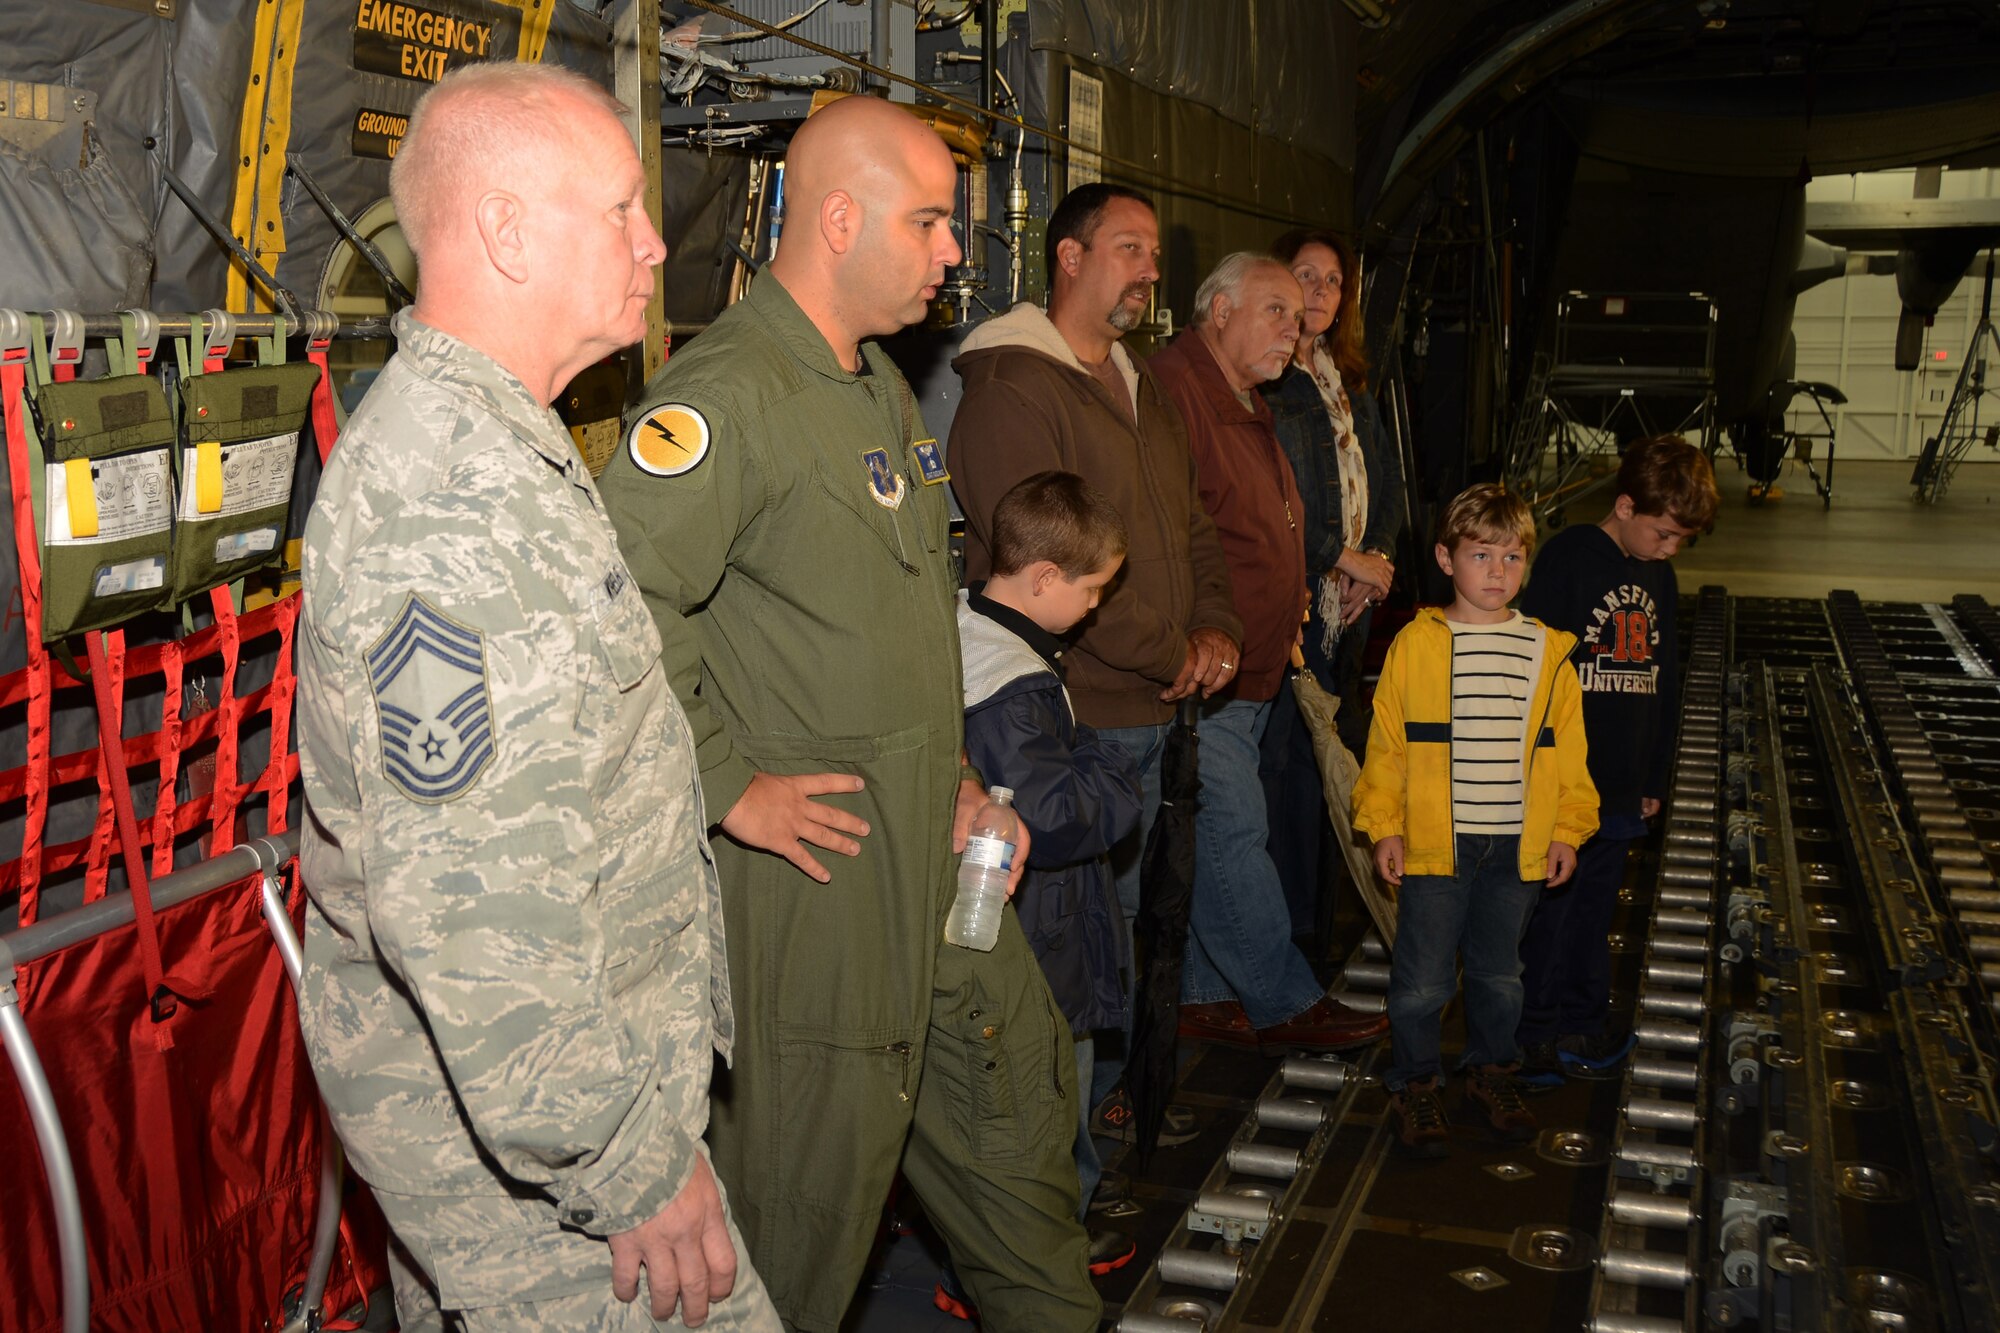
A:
{"x":482,"y":125}
{"x":1227,"y":278}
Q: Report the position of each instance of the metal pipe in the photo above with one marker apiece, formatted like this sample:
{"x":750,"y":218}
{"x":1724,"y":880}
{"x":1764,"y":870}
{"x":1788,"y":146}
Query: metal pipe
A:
{"x":1644,"y":1268}
{"x":1209,"y":1269}
{"x":1375,"y":976}
{"x":1667,"y":972}
{"x":42,"y":1114}
{"x":1689,"y":947}
{"x":326,"y":1215}
{"x":113,"y":911}
{"x":1660,"y":1035}
{"x":1680,"y":895}
{"x":1683,"y":920}
{"x":1643,"y":1208}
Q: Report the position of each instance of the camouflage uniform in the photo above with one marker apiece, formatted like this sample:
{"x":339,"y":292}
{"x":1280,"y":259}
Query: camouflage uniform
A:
{"x":787,"y":522}
{"x":514,"y":971}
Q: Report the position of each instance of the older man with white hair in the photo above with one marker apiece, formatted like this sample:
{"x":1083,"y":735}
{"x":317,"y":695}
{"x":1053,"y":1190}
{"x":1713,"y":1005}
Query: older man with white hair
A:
{"x":1245,"y":982}
{"x":514,"y":969}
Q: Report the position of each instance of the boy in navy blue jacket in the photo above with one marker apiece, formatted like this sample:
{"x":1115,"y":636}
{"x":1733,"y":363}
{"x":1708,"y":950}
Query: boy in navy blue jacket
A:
{"x":1056,"y":542}
{"x":1609,"y":584}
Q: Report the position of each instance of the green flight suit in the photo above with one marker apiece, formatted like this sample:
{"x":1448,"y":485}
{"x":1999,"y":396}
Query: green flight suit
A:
{"x":809,"y":626}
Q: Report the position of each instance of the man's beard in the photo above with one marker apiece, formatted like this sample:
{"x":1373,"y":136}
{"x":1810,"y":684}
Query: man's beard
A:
{"x":1123,"y":317}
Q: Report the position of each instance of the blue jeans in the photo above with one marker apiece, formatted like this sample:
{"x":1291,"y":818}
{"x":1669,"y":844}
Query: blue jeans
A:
{"x":1566,"y":953}
{"x":1145,"y":745}
{"x":1240,"y":942}
{"x":1480,"y":914}
{"x":1089,"y":1167}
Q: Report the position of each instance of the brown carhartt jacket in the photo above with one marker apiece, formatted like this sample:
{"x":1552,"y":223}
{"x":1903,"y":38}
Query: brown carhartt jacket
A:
{"x":1029,"y":405}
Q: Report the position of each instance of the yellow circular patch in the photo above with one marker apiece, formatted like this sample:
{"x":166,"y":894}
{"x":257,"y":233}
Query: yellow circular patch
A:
{"x":668,"y":440}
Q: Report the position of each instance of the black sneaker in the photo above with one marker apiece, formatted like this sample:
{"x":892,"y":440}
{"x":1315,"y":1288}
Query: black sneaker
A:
{"x":1110,"y":1251}
{"x":1417,"y":1115}
{"x":1595,"y":1057}
{"x":1541,"y":1068}
{"x":1113,"y":1120}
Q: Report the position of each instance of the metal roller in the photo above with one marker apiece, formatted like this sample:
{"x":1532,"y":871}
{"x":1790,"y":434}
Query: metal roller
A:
{"x":1298,"y":1113}
{"x":1676,"y":895}
{"x":1645,"y":1268}
{"x":1958,"y":856}
{"x":1210,"y":1270}
{"x":1246,"y":1208}
{"x":1262,"y":1159}
{"x":1363,"y":1002}
{"x":1644,"y":1208}
{"x":1690,"y":835}
{"x":1672,"y":1003}
{"x":1633,"y":1323}
{"x":1965,"y":877}
{"x":1689,"y":856}
{"x":1139,"y":1321}
{"x":1373,"y":975}
{"x":1703,"y":874}
{"x":1687,"y":948}
{"x":1674,"y":972}
{"x":1975,"y":900}
{"x":1661,"y":1035}
{"x":1658,"y":1113}
{"x":1321,"y":1075}
{"x":1984,"y":923}
{"x":1651,"y":1071}
{"x":1683,"y":920}
{"x":1658,"y":1156}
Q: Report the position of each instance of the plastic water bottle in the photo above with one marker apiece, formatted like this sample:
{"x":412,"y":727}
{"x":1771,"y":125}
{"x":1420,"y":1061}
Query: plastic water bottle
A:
{"x":974,"y":922}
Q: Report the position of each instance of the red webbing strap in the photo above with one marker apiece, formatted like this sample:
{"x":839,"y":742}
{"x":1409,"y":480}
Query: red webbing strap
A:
{"x":35,"y":772}
{"x":326,"y":426}
{"x":228,"y":710}
{"x":278,"y":701}
{"x":169,"y":737}
{"x":111,"y":742}
{"x":105,"y":680}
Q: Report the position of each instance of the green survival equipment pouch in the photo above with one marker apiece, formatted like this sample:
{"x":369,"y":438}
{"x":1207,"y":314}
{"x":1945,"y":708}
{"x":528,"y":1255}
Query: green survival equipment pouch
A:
{"x":109,"y":501}
{"x":233,"y":474}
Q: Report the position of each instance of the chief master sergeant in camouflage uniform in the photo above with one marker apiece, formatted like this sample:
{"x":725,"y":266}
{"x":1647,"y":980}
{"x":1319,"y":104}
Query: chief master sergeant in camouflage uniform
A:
{"x":514,"y":968}
{"x":778,"y":502}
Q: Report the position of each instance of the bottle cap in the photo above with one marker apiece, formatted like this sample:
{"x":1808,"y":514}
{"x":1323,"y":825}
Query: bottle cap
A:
{"x":1002,"y":794}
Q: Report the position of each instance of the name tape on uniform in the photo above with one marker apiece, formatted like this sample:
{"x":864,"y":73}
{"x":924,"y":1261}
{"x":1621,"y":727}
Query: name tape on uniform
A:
{"x":669,"y":440}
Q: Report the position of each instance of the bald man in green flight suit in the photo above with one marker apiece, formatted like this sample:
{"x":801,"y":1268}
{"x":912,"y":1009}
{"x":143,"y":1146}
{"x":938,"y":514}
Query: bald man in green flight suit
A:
{"x":785,"y":516}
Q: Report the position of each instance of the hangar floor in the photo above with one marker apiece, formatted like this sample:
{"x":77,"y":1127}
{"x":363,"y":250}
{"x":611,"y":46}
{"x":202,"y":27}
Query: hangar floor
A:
{"x":1366,"y":1212}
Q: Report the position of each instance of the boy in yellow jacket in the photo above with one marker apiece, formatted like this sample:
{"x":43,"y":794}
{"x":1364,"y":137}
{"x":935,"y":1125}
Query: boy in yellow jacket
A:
{"x":1476,"y":794}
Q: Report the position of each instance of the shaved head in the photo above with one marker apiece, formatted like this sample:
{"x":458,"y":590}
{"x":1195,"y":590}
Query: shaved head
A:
{"x":485,"y":127}
{"x":869,"y":190}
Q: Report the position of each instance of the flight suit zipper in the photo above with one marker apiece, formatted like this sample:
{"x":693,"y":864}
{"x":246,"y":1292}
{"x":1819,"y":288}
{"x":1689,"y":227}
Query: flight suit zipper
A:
{"x":904,"y":1049}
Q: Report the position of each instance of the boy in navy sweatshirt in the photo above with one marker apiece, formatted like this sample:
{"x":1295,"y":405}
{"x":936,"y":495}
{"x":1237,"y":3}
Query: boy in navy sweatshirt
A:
{"x":1055,"y":543}
{"x":1609,"y":584}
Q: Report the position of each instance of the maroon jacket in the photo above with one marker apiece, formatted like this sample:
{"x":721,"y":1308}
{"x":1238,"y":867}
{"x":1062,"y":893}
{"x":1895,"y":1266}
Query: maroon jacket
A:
{"x":1248,"y":489}
{"x":1030,"y":405}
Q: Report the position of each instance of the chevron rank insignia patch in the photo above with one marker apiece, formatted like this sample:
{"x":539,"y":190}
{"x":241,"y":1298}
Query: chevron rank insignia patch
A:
{"x":668,"y":440}
{"x":429,"y":677}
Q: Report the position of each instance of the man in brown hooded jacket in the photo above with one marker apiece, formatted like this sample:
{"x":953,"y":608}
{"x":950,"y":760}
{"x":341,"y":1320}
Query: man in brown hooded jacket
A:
{"x":1057,"y":390}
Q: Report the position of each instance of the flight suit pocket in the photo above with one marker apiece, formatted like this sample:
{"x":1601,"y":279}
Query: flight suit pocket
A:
{"x":845,"y":1106}
{"x":1003,"y":1052}
{"x":851,"y":499}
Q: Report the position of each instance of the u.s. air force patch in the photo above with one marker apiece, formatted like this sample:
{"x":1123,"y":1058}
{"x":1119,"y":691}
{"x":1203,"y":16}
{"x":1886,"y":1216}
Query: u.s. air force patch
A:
{"x":668,"y":440}
{"x":429,"y":677}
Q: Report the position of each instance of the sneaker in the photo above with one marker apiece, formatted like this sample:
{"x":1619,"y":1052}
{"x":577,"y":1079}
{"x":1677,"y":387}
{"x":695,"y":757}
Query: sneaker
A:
{"x":1418,"y":1116}
{"x":1113,"y":1120}
{"x":950,"y":1299}
{"x":1541,"y":1068}
{"x":1110,"y":1251}
{"x":1595,"y":1057}
{"x":1490,"y":1092}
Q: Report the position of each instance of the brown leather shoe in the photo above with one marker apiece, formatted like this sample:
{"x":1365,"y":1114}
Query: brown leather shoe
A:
{"x":1223,"y":1022}
{"x":1328,"y":1026}
{"x":1416,"y":1115}
{"x":1491,"y":1093}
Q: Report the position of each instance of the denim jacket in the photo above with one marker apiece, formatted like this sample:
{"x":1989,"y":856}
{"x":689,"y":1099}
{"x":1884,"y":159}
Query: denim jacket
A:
{"x":1306,"y":433}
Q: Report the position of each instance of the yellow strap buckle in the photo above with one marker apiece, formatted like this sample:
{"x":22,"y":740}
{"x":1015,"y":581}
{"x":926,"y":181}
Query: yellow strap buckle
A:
{"x":208,"y":477}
